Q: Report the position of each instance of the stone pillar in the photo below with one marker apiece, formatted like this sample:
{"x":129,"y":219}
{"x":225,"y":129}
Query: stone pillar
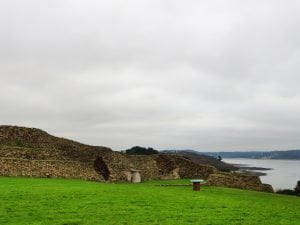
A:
{"x":135,"y":176}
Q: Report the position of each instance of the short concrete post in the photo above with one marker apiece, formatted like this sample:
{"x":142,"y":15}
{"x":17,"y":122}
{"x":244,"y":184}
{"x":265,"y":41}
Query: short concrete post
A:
{"x":196,"y":184}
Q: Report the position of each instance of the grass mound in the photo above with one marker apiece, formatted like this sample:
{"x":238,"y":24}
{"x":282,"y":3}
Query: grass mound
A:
{"x":58,"y":201}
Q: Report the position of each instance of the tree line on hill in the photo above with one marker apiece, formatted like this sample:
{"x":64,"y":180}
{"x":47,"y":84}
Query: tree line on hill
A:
{"x":137,"y":150}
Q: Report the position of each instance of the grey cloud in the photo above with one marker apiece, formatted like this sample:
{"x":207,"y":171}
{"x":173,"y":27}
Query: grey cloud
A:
{"x":211,"y":75}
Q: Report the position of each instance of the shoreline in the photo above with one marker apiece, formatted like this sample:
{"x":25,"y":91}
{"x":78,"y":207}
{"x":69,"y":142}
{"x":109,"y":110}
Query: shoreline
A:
{"x":251,"y":170}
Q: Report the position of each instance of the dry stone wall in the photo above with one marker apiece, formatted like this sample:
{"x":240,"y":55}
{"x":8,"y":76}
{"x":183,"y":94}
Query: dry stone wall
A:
{"x":118,"y":165}
{"x":236,"y":180}
{"x":49,"y":168}
{"x":34,"y":153}
{"x":169,"y":167}
{"x":147,"y":166}
{"x":189,"y":169}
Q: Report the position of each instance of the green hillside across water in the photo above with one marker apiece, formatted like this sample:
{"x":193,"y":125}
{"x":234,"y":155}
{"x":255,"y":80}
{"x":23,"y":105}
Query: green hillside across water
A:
{"x":59,"y":201}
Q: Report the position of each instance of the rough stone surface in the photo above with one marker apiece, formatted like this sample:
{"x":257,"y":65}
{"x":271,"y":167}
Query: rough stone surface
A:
{"x":135,"y":176}
{"x":49,"y":168}
{"x":236,"y":180}
{"x":34,"y":153}
{"x":169,"y":167}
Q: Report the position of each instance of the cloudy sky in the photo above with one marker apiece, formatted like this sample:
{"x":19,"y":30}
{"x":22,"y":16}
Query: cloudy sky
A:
{"x":206,"y":75}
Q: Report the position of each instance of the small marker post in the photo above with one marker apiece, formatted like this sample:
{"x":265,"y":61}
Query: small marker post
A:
{"x":196,"y":184}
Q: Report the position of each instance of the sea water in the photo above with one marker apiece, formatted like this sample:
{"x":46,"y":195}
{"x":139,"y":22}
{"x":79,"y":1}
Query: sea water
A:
{"x":284,"y":173}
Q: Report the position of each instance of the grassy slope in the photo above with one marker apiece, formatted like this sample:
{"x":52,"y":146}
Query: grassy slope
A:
{"x":58,"y":201}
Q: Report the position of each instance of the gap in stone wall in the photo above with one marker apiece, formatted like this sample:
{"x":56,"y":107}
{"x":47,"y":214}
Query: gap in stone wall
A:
{"x":101,"y":168}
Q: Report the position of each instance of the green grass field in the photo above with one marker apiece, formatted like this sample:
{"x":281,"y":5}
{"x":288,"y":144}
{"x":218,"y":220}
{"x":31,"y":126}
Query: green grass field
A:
{"x":59,"y":201}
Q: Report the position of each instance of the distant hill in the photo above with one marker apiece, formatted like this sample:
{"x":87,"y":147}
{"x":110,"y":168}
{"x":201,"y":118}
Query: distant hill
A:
{"x":288,"y":154}
{"x":200,"y":158}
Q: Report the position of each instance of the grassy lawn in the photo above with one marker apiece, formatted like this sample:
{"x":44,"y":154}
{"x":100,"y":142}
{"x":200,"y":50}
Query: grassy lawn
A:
{"x":58,"y":201}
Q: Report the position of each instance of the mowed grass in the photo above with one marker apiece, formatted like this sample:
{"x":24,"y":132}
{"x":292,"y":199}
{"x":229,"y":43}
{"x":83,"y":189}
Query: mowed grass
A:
{"x":60,"y":201}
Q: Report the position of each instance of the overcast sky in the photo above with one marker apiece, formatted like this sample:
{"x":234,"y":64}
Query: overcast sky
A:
{"x":206,"y":75}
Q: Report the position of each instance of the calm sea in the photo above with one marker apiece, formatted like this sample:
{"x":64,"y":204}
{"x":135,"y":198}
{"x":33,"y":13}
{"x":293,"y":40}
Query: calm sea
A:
{"x":284,"y":173}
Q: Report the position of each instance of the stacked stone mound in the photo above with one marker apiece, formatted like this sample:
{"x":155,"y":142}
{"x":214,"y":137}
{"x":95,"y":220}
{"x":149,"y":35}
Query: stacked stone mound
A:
{"x":34,"y":153}
{"x":236,"y":180}
{"x":170,"y":167}
{"x":33,"y":143}
{"x":200,"y":158}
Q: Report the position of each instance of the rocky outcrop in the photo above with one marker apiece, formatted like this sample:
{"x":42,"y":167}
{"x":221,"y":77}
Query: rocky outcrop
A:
{"x":237,"y":180}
